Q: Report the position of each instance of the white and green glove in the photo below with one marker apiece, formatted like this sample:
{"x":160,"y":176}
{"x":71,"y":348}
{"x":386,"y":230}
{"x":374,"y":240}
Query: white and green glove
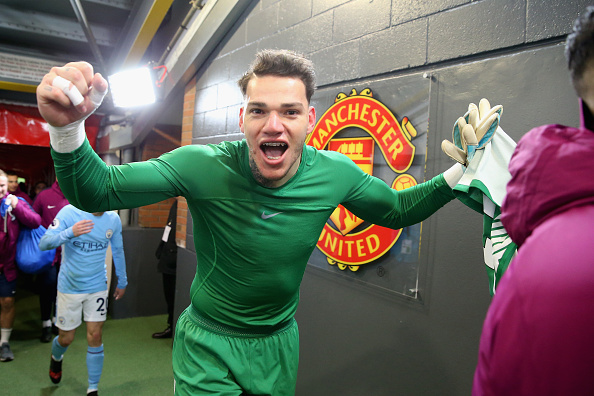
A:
{"x":472,"y":131}
{"x":484,"y":149}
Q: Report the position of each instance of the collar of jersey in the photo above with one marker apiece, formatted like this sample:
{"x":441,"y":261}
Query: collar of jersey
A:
{"x":245,"y":167}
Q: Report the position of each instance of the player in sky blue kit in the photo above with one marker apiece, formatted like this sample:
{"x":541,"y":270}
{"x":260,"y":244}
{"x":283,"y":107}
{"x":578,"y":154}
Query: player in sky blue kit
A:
{"x":82,"y":282}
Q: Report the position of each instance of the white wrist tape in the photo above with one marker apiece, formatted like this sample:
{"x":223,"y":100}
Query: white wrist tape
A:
{"x":69,"y":90}
{"x":67,"y":138}
{"x":453,"y":175}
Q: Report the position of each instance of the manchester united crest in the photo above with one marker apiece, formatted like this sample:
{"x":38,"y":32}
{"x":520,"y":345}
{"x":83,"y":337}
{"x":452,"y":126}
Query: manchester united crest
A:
{"x":346,"y":240}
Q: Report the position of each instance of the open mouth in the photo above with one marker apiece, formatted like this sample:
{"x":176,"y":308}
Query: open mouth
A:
{"x":273,"y":150}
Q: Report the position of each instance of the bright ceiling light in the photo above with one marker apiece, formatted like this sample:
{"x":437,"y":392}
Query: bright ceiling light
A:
{"x":132,"y":88}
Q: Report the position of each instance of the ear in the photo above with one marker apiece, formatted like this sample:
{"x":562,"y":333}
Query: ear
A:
{"x":241,"y":114}
{"x":311,"y":119}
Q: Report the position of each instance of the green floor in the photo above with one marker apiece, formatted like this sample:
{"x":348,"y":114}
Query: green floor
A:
{"x":135,"y":364}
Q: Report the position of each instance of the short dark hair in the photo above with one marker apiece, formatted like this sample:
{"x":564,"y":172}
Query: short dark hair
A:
{"x":579,"y":47}
{"x":282,"y":63}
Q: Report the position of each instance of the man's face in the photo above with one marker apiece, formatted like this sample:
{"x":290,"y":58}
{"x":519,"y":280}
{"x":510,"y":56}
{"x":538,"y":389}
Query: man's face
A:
{"x":13,"y":183}
{"x":275,"y":120}
{"x":3,"y":186}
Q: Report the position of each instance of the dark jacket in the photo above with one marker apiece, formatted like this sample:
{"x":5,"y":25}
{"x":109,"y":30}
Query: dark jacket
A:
{"x":48,"y":203}
{"x":537,"y":338}
{"x":167,"y":250}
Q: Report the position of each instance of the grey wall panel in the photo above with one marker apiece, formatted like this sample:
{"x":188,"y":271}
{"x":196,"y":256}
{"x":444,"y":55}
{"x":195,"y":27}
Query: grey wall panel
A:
{"x":144,"y":294}
{"x":533,"y":86}
{"x":395,"y":348}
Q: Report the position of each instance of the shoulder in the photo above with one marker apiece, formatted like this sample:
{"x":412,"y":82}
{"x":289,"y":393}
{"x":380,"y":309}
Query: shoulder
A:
{"x":68,"y":210}
{"x":209,"y":149}
{"x":200,"y":153}
{"x":111,"y":215}
{"x":328,"y":159}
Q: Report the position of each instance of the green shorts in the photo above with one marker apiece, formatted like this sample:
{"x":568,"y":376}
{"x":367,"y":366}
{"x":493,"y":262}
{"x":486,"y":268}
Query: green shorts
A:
{"x":213,"y":359}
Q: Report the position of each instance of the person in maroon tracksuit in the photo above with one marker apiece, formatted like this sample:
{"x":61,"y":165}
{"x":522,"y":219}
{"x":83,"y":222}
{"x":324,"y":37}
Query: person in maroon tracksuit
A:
{"x":538,"y":336}
{"x":15,"y":212}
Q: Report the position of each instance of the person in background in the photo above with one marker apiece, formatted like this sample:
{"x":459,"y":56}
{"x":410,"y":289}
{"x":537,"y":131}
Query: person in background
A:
{"x":82,"y":282}
{"x":167,"y":255}
{"x":15,"y":213}
{"x":537,"y":337}
{"x":37,"y":188}
{"x":14,"y":187}
{"x":48,"y":203}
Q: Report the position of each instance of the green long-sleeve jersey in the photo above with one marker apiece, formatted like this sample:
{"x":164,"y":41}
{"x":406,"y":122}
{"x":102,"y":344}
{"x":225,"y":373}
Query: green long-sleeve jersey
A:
{"x":252,"y":242}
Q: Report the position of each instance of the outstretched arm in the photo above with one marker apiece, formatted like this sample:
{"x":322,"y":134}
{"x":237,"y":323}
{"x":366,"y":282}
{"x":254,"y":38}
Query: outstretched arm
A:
{"x":387,"y":207}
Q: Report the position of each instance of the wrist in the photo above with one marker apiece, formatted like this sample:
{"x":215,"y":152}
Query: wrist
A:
{"x":453,"y":175}
{"x":68,"y":137}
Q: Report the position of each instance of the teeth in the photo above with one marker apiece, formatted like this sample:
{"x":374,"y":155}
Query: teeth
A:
{"x":275,"y":144}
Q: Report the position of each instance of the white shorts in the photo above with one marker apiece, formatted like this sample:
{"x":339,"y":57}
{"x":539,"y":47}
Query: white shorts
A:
{"x":72,"y":306}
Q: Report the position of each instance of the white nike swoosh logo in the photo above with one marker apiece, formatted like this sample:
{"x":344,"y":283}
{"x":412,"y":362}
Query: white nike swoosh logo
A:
{"x":51,"y":206}
{"x":265,"y":216}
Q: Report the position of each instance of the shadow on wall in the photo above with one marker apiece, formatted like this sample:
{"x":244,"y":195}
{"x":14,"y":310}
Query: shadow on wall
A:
{"x":377,"y":371}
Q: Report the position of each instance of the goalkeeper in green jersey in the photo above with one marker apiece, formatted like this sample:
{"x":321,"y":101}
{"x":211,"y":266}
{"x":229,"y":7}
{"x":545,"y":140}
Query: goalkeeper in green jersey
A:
{"x":258,"y":207}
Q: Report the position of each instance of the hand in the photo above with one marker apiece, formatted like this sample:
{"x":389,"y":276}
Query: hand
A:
{"x":472,"y":131}
{"x":119,"y":293}
{"x":53,"y":103}
{"x":82,"y":227}
{"x":12,"y":200}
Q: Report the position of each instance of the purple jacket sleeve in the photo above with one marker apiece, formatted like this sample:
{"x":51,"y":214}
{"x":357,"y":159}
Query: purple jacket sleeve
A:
{"x":26,"y":215}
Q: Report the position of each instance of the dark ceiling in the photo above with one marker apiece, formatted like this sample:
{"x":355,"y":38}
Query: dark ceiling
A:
{"x":110,"y":34}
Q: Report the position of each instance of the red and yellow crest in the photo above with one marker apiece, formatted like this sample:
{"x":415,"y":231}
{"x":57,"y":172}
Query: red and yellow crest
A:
{"x":343,"y":244}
